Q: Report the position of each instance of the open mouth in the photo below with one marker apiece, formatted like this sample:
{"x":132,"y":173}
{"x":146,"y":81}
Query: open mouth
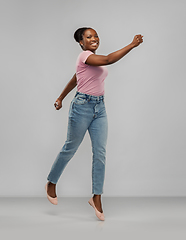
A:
{"x":94,"y":44}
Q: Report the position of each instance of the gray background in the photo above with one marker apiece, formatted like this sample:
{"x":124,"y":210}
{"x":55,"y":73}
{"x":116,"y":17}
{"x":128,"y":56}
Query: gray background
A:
{"x":145,"y":96}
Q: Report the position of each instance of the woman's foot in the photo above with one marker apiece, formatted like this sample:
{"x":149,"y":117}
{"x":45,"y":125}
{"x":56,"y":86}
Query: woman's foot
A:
{"x":96,"y":199}
{"x":51,"y":190}
{"x":97,"y":202}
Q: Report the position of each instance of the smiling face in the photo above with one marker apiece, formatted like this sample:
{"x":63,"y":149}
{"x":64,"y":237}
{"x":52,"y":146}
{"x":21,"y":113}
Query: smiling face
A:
{"x":90,"y":40}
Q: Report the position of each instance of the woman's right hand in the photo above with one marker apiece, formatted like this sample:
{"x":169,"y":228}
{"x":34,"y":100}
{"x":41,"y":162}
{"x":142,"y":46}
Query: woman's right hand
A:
{"x":58,"y":104}
{"x":138,"y":39}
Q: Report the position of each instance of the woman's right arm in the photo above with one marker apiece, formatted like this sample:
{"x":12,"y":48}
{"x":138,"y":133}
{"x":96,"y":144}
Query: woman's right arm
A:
{"x":71,"y":85}
{"x":100,"y":60}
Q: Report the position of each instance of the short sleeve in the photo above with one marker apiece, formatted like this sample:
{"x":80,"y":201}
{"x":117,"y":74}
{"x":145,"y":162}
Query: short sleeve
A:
{"x":84,"y":55}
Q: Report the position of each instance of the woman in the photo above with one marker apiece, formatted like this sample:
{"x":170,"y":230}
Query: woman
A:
{"x":87,"y":112}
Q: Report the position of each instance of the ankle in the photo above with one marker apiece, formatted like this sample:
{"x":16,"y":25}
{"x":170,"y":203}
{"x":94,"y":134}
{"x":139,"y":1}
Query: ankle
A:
{"x":97,"y":196}
{"x":51,"y":189}
{"x":51,"y":184}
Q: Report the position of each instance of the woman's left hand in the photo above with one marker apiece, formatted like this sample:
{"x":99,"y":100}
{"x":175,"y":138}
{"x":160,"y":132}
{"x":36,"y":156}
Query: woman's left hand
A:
{"x":138,"y":39}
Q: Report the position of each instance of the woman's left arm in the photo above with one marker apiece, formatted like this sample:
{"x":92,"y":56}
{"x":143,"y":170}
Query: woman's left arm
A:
{"x":100,"y":60}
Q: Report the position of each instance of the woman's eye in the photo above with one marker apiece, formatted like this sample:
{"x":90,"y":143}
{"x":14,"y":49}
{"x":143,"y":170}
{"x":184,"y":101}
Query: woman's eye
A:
{"x":94,"y":36}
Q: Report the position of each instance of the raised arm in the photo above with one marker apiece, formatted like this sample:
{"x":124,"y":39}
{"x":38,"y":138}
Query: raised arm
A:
{"x":70,"y":85}
{"x":100,"y":60}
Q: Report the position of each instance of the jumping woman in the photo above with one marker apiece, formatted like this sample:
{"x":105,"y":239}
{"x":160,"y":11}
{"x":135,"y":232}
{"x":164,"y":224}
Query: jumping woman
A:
{"x":87,"y":112}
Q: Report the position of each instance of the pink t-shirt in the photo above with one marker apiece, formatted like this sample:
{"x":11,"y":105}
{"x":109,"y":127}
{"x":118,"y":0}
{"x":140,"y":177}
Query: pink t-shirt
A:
{"x":90,"y":79}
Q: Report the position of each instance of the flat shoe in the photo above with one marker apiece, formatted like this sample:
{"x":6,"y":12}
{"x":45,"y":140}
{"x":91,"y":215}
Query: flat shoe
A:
{"x":98,"y":214}
{"x":51,"y":199}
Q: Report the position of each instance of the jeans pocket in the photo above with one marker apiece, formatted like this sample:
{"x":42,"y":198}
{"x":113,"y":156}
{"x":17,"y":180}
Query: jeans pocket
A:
{"x":80,"y":100}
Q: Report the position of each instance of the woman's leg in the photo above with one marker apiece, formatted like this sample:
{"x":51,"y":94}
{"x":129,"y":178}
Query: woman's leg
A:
{"x":98,"y":131}
{"x":77,"y":125}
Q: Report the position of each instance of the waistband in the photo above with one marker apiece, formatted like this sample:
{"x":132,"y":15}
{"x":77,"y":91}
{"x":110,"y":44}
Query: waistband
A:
{"x":89,"y":97}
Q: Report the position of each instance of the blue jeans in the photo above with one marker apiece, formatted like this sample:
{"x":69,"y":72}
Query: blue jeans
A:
{"x":86,"y":112}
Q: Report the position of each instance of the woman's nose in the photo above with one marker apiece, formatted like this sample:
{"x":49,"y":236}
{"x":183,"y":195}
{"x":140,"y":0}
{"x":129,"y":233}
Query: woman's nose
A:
{"x":93,"y":38}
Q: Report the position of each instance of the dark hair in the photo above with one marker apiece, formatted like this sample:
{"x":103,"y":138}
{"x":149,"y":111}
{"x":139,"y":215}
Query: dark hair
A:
{"x":78,"y":35}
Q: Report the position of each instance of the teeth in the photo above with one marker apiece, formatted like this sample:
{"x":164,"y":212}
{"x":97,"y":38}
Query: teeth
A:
{"x":94,"y":44}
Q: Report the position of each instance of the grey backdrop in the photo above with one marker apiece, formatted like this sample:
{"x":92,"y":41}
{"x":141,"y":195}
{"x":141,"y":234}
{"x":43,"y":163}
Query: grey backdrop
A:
{"x":145,"y":96}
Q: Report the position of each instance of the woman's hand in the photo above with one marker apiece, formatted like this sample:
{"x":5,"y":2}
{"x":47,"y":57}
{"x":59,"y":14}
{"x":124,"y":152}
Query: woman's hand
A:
{"x":58,"y":104}
{"x":137,"y":40}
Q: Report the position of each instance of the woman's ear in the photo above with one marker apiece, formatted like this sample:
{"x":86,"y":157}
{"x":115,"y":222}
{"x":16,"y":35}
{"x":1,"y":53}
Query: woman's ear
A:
{"x":81,"y":45}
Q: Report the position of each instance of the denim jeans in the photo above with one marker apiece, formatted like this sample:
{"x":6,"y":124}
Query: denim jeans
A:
{"x":86,"y":112}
